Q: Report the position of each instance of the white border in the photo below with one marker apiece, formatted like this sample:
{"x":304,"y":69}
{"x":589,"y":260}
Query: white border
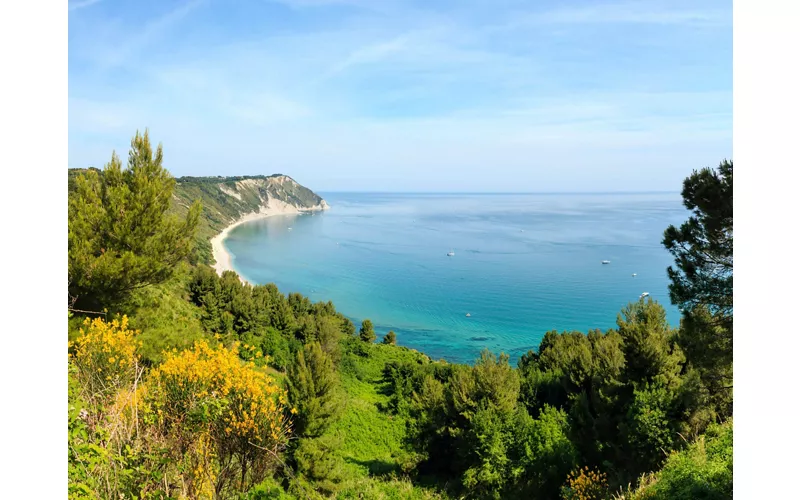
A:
{"x":33,"y":112}
{"x":766,"y":337}
{"x":33,"y":99}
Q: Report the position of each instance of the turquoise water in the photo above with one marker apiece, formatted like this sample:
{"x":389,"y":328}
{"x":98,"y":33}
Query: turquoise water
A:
{"x":523,"y":264}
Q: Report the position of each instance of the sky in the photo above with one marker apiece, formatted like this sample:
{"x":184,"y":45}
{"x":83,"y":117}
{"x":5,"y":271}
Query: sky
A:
{"x":391,"y":95}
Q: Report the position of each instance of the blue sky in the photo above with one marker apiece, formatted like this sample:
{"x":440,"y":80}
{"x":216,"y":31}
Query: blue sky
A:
{"x":391,"y":95}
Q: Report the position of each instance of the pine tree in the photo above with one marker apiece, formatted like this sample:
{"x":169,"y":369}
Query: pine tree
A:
{"x":703,"y":245}
{"x":312,"y":379}
{"x":648,"y":344}
{"x":702,"y":279}
{"x":367,"y":332}
{"x":120,"y":235}
{"x":390,"y":338}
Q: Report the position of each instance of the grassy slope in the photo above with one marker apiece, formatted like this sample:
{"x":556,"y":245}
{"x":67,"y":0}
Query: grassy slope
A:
{"x":704,"y":470}
{"x":373,"y":448}
{"x":373,"y":439}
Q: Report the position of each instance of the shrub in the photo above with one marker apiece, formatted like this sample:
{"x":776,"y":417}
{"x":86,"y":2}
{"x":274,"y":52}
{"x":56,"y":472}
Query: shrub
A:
{"x":585,"y":484}
{"x":703,"y":471}
{"x":210,"y":407}
{"x":105,"y":359}
{"x":390,"y":338}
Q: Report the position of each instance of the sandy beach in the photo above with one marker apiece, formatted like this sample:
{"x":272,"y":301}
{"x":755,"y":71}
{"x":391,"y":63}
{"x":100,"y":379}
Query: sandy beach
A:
{"x":221,"y":256}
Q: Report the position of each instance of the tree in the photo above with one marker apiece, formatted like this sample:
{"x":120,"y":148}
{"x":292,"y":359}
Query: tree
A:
{"x":312,"y":382}
{"x":650,"y":428}
{"x":703,"y":245}
{"x":120,"y":235}
{"x":367,"y":332}
{"x":390,"y":338}
{"x":702,"y":284}
{"x":648,"y":344}
{"x":543,"y":454}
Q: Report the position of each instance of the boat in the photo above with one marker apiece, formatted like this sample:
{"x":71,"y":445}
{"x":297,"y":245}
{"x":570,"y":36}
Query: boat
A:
{"x":468,"y":315}
{"x":606,"y":262}
{"x":634,"y":275}
{"x":290,"y":229}
{"x":644,"y":294}
{"x":450,"y":253}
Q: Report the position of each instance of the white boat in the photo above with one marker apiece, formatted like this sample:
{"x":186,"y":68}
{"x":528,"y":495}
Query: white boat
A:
{"x":450,"y":253}
{"x":634,"y":275}
{"x":290,"y":229}
{"x":606,"y":262}
{"x":468,"y":315}
{"x":644,"y":294}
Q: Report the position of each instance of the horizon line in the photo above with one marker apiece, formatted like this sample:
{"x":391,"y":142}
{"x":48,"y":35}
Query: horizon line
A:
{"x":493,"y":192}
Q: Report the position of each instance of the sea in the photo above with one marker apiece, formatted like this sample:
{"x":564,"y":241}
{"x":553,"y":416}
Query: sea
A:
{"x":521,"y":264}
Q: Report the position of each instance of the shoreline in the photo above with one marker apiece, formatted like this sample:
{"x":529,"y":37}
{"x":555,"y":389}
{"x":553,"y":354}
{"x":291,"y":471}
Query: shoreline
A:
{"x":222,"y":258}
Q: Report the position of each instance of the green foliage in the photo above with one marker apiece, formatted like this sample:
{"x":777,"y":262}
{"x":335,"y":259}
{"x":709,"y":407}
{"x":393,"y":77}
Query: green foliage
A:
{"x":401,"y":380}
{"x":390,"y":338}
{"x":708,"y":346}
{"x":625,"y":390}
{"x":465,"y":426}
{"x":703,"y":245}
{"x":543,"y":454}
{"x":648,"y":344}
{"x":391,"y":489}
{"x":120,"y":236}
{"x":702,"y":471}
{"x":312,"y":382}
{"x":317,"y":462}
{"x":269,"y":489}
{"x":262,"y":316}
{"x":164,"y":316}
{"x":276,"y":346}
{"x":367,"y":332}
{"x":650,"y":427}
{"x":702,"y":281}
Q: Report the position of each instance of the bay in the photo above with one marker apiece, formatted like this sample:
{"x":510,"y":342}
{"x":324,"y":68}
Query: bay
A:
{"x":523,"y":264}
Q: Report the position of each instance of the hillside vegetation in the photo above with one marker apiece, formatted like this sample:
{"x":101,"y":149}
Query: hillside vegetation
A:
{"x":225,"y":200}
{"x":187,"y":384}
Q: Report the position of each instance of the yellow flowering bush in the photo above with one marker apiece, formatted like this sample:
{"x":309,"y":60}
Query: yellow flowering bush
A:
{"x":252,"y":353}
{"x":105,"y":357}
{"x":586,"y":484}
{"x":208,"y":395}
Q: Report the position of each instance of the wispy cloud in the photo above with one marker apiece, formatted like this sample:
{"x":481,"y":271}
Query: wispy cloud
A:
{"x":358,"y":88}
{"x":372,"y":53}
{"x":633,"y":13}
{"x":129,"y":43}
{"x":82,"y":4}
